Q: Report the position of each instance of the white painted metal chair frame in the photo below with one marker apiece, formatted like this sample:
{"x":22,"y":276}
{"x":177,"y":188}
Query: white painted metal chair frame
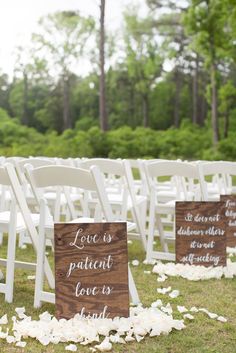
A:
{"x":222,"y":171}
{"x":12,"y":223}
{"x":181,"y":171}
{"x":73,"y":177}
{"x":124,"y":198}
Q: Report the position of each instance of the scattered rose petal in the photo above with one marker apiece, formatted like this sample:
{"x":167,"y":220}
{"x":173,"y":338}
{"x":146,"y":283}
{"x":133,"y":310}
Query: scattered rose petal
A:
{"x":189,"y":316}
{"x":31,"y":278}
{"x":10,"y":339}
{"x":195,"y":273}
{"x":129,"y":338}
{"x":161,"y":278}
{"x":222,"y":319}
{"x":20,"y":312}
{"x":181,"y":309}
{"x":135,"y":262}
{"x":174,"y":294}
{"x":4,"y":320}
{"x":157,"y":303}
{"x":105,"y":346}
{"x":138,"y":338}
{"x":71,"y":347}
{"x":23,"y":246}
{"x":163,"y":290}
{"x":147,"y":272}
{"x":21,"y":344}
{"x":194,"y":309}
{"x":212,"y":315}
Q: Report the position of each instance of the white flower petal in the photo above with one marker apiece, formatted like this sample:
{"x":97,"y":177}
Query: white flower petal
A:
{"x":135,"y":262}
{"x":10,"y":339}
{"x":21,"y":344}
{"x":188,"y":316}
{"x":71,"y":347}
{"x":181,"y":309}
{"x":4,"y":320}
{"x":174,"y":294}
{"x":222,"y":319}
{"x":31,"y":278}
{"x":212,"y":315}
{"x":105,"y":346}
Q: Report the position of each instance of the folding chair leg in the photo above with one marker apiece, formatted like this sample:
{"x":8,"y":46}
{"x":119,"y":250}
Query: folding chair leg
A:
{"x":39,"y":277}
{"x":132,"y":289}
{"x":11,"y":251}
{"x":151,"y":228}
{"x":161,"y":233}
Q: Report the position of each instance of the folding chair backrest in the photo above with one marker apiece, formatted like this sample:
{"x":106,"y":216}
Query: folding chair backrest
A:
{"x":180,"y":172}
{"x":221,"y":172}
{"x":64,"y":176}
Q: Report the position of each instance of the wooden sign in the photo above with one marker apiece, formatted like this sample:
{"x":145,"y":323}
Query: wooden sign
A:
{"x":230,"y":215}
{"x":91,"y":265}
{"x":201,"y":233}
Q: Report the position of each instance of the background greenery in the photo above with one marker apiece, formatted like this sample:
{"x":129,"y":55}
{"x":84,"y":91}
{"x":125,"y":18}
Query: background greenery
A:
{"x":170,"y":79}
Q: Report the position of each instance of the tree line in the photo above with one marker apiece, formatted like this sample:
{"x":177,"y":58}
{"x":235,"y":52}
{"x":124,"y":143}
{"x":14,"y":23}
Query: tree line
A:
{"x":175,"y":64}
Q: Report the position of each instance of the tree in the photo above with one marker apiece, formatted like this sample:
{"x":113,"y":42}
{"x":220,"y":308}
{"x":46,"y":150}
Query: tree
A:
{"x":227,"y":96}
{"x":206,"y":22}
{"x":62,"y":40}
{"x":102,"y":89}
{"x":144,"y":63}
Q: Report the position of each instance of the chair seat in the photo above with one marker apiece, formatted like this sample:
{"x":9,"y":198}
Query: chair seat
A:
{"x":20,"y":223}
{"x":51,"y":197}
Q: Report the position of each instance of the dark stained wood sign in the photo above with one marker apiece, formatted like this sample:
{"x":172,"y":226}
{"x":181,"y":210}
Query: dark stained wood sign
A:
{"x":230,"y":214}
{"x":201,"y":233}
{"x":91,"y":266}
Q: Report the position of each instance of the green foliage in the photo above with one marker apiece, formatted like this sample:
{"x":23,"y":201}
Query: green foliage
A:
{"x":188,"y":142}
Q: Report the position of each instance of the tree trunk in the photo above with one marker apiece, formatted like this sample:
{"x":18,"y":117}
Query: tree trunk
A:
{"x":145,"y":103}
{"x":67,"y":124}
{"x":195,"y":118}
{"x":177,"y":98}
{"x":226,"y":124}
{"x":25,"y":116}
{"x":214,"y":112}
{"x":102,"y":88}
{"x":202,"y":102}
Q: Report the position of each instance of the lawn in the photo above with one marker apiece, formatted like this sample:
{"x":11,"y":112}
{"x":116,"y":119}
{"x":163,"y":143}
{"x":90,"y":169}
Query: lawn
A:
{"x":202,"y":335}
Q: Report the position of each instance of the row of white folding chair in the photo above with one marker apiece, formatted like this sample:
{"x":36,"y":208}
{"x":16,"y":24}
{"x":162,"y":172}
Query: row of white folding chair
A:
{"x":14,"y":221}
{"x":121,"y":192}
{"x":197,"y":175}
{"x":220,"y":173}
{"x":71,"y":177}
{"x":63,"y":176}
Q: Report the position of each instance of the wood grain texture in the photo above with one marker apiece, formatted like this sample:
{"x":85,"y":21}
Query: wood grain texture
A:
{"x":201,"y":233}
{"x":230,"y":214}
{"x":112,"y":255}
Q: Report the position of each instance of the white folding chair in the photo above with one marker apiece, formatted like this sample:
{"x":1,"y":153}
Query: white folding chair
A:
{"x":216,"y":179}
{"x":184,"y":174}
{"x":13,"y":222}
{"x":78,"y":178}
{"x":120,"y":190}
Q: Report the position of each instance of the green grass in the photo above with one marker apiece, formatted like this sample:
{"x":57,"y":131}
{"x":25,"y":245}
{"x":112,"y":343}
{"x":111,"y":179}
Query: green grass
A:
{"x":202,"y":335}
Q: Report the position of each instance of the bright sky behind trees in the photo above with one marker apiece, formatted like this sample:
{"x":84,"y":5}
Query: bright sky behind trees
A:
{"x":18,"y":19}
